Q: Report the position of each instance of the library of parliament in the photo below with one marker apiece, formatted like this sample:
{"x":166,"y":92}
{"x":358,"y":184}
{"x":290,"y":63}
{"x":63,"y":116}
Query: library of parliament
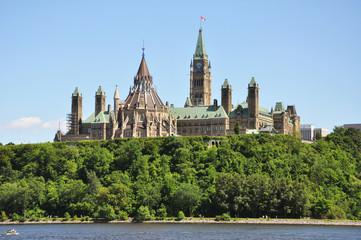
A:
{"x":143,"y":113}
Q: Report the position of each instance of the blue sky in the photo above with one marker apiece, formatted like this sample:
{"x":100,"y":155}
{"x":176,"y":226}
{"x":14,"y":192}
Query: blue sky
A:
{"x":306,"y":53}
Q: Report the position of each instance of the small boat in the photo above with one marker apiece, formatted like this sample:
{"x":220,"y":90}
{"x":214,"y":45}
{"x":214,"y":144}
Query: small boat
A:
{"x":11,"y":231}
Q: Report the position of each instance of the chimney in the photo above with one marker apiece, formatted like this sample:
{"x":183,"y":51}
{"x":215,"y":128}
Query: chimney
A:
{"x":215,"y":104}
{"x":109,"y":108}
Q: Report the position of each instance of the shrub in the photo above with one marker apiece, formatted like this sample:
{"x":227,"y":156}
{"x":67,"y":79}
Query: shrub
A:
{"x":162,"y":213}
{"x":122,"y":215}
{"x":33,"y":218}
{"x":66,"y":216}
{"x":180,"y":216}
{"x":106,"y":212}
{"x":85,"y":218}
{"x":143,"y":214}
{"x":218,"y":218}
{"x":15,"y":217}
{"x":3,"y":216}
{"x":22,"y":219}
{"x":226,"y":217}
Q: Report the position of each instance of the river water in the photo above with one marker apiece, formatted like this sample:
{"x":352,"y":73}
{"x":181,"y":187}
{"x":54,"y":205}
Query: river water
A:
{"x":180,"y":231}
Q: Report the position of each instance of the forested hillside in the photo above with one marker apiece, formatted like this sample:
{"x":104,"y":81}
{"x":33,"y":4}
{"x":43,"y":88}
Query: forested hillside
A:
{"x":245,"y":176}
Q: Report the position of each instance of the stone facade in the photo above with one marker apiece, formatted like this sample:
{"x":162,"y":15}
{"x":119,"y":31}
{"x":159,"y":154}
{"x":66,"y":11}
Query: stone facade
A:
{"x":200,"y":75}
{"x":142,"y":114}
{"x":201,"y":120}
{"x":249,"y":115}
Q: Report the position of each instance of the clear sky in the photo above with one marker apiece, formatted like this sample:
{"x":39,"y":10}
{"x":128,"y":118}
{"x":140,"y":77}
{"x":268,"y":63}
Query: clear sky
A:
{"x":304,"y":53}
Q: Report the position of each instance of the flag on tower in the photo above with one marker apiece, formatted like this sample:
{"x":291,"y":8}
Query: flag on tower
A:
{"x":202,"y":18}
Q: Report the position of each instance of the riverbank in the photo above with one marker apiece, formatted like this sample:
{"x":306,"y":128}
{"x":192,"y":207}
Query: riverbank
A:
{"x":208,"y":221}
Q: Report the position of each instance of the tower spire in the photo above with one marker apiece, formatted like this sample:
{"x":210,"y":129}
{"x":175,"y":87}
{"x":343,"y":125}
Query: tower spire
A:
{"x":200,"y":52}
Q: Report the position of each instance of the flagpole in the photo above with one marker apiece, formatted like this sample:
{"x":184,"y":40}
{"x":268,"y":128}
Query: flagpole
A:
{"x":200,"y":22}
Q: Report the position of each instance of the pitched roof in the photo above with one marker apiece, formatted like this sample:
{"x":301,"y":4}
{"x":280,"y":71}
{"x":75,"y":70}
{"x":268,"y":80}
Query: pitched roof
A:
{"x":279,"y":107}
{"x":188,"y":103}
{"x":116,"y":94}
{"x":100,"y":91}
{"x":198,"y":113}
{"x":102,"y":117}
{"x":226,"y":84}
{"x":253,"y":83}
{"x":200,"y":48}
{"x":143,"y":93}
{"x":76,"y":92}
{"x":143,"y":69}
{"x":263,"y":112}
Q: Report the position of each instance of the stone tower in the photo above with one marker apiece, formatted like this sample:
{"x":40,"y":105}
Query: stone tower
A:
{"x":227,"y":96}
{"x":253,"y":104}
{"x":76,"y":112}
{"x":200,"y":75}
{"x":99,"y":101}
{"x":116,"y":102}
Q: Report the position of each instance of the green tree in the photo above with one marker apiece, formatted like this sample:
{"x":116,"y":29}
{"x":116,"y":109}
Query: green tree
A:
{"x":143,"y":214}
{"x":106,"y":212}
{"x":187,"y":197}
{"x":181,"y":216}
{"x":236,"y":129}
{"x":98,"y":160}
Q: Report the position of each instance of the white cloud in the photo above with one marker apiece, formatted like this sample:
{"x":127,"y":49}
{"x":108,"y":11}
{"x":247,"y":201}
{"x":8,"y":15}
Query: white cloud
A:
{"x":35,"y":123}
{"x":22,"y":123}
{"x":55,"y":125}
{"x":30,"y":129}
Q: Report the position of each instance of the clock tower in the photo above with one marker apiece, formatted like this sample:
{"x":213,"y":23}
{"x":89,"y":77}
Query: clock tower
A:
{"x":200,"y":75}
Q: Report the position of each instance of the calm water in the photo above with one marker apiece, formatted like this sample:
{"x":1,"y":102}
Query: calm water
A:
{"x":180,"y":231}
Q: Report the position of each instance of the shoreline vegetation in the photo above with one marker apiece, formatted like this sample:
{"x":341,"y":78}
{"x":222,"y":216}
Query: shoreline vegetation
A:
{"x":268,"y":221}
{"x":257,"y":178}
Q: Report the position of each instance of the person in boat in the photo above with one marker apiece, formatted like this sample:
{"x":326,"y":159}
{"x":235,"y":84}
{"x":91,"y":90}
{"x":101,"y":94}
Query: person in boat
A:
{"x":11,"y":231}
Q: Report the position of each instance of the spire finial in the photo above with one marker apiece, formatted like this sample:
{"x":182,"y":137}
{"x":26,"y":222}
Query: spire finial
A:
{"x":143,"y":48}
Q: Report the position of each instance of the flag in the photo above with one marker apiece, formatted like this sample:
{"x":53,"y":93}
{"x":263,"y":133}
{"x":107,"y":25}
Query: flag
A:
{"x":202,"y":18}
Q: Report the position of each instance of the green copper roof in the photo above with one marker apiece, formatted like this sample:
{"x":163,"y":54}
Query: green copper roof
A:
{"x":279,"y":107}
{"x":188,"y":103}
{"x":76,"y":92}
{"x":200,"y":48}
{"x":100,"y":91}
{"x":263,"y":112}
{"x":200,"y":112}
{"x":102,"y":117}
{"x":226,"y":84}
{"x":243,"y":106}
{"x":253,"y":82}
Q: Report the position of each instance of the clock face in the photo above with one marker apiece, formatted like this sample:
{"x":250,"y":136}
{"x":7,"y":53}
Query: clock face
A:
{"x":199,"y":65}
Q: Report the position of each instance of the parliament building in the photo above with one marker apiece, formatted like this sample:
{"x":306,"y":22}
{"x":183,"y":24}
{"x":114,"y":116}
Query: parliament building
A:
{"x":143,"y":113}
